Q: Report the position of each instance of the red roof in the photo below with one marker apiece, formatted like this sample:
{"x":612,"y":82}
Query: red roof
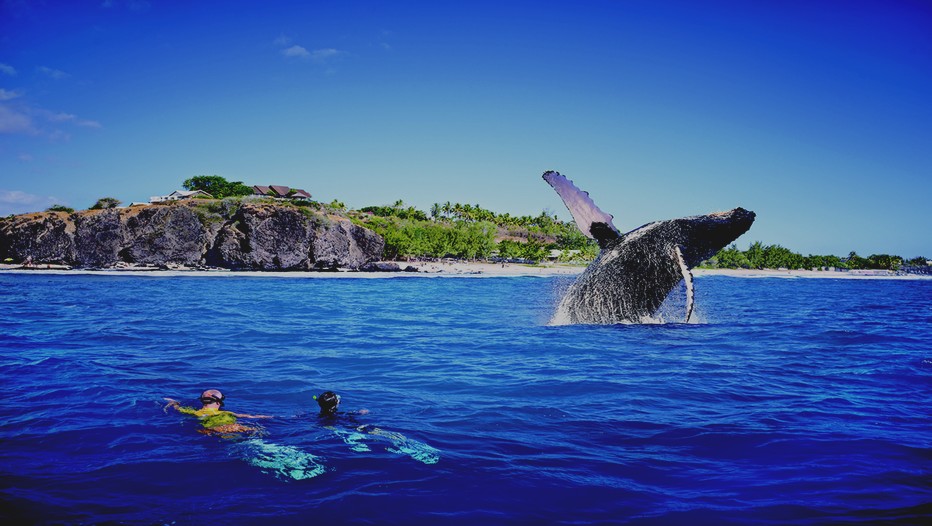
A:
{"x":281,"y":191}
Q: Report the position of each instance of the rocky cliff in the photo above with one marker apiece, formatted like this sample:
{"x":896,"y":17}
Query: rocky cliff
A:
{"x":228,"y":234}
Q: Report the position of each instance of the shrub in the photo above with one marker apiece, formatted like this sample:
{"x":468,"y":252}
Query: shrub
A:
{"x":106,"y":202}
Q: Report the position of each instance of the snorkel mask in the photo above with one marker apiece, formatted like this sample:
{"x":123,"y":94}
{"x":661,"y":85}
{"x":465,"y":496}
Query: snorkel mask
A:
{"x":212,"y":399}
{"x":328,"y":401}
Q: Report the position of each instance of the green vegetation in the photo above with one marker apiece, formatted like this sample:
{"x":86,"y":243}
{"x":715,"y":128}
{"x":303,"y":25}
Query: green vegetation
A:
{"x":759,"y":256}
{"x":106,"y":202}
{"x":217,"y":186}
{"x":60,"y":208}
{"x":471,"y":232}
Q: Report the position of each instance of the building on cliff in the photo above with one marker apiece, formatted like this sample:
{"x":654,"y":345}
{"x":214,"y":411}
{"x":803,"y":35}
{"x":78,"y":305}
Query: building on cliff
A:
{"x":280,"y":192}
{"x":180,"y":194}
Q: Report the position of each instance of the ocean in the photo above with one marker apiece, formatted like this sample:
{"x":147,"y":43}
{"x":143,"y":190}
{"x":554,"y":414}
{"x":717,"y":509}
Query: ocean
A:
{"x":791,"y":401}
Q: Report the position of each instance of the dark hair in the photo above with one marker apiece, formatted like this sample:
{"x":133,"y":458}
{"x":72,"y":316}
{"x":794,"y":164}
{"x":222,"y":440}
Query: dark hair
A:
{"x":328,"y":401}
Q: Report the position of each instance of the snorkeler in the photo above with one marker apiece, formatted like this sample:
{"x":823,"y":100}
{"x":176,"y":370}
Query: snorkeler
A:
{"x":329,"y":402}
{"x":213,"y":419}
{"x":283,"y":461}
{"x":354,"y":434}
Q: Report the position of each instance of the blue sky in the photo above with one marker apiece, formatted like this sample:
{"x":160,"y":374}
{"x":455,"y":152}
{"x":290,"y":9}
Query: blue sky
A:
{"x":816,"y":115}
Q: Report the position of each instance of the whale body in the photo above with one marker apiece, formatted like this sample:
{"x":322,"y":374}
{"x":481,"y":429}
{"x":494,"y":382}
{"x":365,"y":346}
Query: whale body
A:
{"x":634,"y":272}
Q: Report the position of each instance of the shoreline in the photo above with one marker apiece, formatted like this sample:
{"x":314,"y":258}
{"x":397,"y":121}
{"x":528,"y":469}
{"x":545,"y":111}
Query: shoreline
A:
{"x":807,"y":274}
{"x":456,"y":269}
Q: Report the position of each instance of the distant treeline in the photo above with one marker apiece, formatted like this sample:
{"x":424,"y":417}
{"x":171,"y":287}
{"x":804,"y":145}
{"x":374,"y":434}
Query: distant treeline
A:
{"x":760,"y":256}
{"x":472,"y":232}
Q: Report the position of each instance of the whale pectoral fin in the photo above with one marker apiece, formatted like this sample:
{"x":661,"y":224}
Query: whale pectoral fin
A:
{"x":591,"y":221}
{"x":687,"y":279}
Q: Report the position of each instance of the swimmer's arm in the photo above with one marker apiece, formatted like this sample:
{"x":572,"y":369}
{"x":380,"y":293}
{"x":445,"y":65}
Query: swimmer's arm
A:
{"x":174,"y":404}
{"x":243,"y":415}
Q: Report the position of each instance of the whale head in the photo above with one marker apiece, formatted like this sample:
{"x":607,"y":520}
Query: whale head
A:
{"x":701,"y":237}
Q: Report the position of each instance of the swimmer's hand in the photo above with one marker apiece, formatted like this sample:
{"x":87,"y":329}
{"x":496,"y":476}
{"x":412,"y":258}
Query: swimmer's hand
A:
{"x":171,"y":403}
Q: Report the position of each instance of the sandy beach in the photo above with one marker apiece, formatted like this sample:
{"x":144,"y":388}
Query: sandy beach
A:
{"x":464,"y":268}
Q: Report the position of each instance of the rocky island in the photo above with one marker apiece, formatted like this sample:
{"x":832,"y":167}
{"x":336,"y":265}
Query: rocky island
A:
{"x":229,"y":234}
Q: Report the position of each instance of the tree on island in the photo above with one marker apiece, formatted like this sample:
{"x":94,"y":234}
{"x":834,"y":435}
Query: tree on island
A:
{"x":60,"y":208}
{"x":217,"y":186}
{"x":106,"y":202}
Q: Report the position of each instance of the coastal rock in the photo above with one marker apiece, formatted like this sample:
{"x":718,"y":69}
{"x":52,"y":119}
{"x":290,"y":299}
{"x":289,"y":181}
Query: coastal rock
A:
{"x":230,"y":235}
{"x":45,"y":237}
{"x":381,"y":266}
{"x":264,"y":237}
{"x":161,"y":235}
{"x":98,"y":238}
{"x":341,"y":244}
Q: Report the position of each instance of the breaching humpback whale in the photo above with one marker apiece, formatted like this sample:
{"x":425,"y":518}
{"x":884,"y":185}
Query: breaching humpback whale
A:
{"x":634,"y":272}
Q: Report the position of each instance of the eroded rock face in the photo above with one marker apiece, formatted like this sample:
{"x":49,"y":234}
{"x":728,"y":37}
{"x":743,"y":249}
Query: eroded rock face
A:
{"x":264,"y":238}
{"x":161,"y":235}
{"x":98,"y":238}
{"x":343,"y":244}
{"x":46,"y":237}
{"x":253,"y":236}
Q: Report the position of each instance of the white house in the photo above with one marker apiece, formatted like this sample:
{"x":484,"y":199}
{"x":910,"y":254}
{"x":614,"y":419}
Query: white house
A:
{"x":180,"y":194}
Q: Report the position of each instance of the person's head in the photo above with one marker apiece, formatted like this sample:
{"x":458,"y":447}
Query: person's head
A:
{"x":211,"y":397}
{"x":328,"y":402}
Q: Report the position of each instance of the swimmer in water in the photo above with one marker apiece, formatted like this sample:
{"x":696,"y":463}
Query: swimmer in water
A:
{"x":355,"y":434}
{"x":329,"y":403}
{"x":213,"y":419}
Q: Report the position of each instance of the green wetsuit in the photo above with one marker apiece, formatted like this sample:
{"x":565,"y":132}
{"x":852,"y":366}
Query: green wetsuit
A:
{"x":209,"y":416}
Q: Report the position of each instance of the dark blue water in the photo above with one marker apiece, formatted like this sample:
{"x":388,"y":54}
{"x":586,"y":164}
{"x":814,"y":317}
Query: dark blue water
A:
{"x":794,"y":402}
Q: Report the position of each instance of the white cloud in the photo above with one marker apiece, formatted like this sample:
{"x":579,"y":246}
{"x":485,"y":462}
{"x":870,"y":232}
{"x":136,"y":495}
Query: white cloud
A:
{"x":60,"y":117}
{"x":18,"y":202}
{"x":14,"y":121}
{"x":6,"y":69}
{"x":323,"y":55}
{"x":56,"y":74}
{"x":70,"y":117}
{"x":8,"y":95}
{"x":318,"y":56}
{"x":296,"y":52}
{"x":282,"y":41}
{"x":20,"y":119}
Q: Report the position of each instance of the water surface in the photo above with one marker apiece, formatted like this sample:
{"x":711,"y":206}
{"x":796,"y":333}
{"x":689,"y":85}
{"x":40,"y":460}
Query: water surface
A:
{"x":793,"y":402}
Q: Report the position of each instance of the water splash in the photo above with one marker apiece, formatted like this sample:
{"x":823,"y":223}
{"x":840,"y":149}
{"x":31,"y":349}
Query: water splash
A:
{"x":678,"y":307}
